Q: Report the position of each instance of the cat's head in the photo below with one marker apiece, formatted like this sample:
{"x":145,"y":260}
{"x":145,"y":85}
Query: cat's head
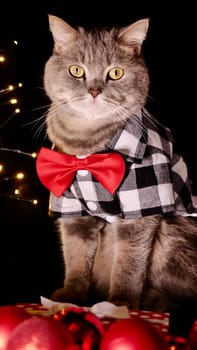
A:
{"x":95,"y":77}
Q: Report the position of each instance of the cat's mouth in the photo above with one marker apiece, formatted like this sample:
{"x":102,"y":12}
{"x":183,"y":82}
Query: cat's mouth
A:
{"x":93,"y":106}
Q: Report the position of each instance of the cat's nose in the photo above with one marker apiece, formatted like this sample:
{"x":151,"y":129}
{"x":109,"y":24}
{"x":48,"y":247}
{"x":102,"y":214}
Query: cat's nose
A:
{"x":94,"y":92}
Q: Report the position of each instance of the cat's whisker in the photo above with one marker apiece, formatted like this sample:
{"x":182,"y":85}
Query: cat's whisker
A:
{"x":139,"y":125}
{"x":43,"y":116}
{"x":39,"y":124}
{"x":37,"y":120}
{"x":116,"y":107}
{"x":39,"y":131}
{"x":41,"y":107}
{"x":149,"y":96}
{"x":76,"y":98}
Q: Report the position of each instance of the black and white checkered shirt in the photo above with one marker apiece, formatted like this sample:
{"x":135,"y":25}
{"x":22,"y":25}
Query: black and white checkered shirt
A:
{"x":155,"y":182}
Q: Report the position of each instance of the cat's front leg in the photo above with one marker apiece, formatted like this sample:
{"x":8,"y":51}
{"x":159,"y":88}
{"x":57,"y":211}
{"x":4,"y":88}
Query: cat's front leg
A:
{"x":79,"y":240}
{"x":132,"y":246}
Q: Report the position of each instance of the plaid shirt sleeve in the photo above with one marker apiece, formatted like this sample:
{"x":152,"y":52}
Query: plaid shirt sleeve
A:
{"x":182,"y":186}
{"x":147,"y":190}
{"x":156,"y":186}
{"x":157,"y":181}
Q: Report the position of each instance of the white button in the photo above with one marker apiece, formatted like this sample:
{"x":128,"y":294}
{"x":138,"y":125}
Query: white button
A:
{"x":92,"y":205}
{"x":111,"y":219}
{"x":82,"y":172}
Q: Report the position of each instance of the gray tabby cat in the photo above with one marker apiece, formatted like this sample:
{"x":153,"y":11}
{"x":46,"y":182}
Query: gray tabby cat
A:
{"x":135,"y":246}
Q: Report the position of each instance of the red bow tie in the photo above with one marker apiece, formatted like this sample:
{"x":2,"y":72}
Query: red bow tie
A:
{"x":57,"y":170}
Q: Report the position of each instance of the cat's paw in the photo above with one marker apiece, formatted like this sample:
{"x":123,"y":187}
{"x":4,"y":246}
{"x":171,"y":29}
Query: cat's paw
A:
{"x":64,"y":295}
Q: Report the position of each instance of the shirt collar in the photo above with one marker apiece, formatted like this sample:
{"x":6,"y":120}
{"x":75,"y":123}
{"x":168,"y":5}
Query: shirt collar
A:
{"x":131,"y":139}
{"x":140,"y":130}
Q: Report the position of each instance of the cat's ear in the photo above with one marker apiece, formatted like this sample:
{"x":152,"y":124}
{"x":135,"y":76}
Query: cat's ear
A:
{"x":134,"y":34}
{"x":63,"y":33}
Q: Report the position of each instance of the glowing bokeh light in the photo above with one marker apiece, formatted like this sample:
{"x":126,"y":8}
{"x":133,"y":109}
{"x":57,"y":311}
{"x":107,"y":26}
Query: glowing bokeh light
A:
{"x":13,"y":101}
{"x":11,"y":87}
{"x":16,"y":191}
{"x":34,"y":155}
{"x":20,"y":176}
{"x":2,"y":58}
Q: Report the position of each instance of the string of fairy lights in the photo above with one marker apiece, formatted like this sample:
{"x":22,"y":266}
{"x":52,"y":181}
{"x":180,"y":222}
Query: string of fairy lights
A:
{"x":17,"y":178}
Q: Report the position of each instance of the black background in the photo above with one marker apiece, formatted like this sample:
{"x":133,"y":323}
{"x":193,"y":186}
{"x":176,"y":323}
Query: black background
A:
{"x":29,"y":262}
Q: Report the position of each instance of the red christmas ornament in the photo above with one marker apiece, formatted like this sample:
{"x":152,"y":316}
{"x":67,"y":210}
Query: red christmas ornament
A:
{"x":192,"y":338}
{"x":133,"y":334}
{"x":176,"y":342}
{"x":86,"y":328}
{"x":39,"y":332}
{"x":10,"y":317}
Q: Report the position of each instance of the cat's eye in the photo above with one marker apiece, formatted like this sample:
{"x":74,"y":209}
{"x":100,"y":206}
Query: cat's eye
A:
{"x":115,"y":73}
{"x":76,"y":71}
